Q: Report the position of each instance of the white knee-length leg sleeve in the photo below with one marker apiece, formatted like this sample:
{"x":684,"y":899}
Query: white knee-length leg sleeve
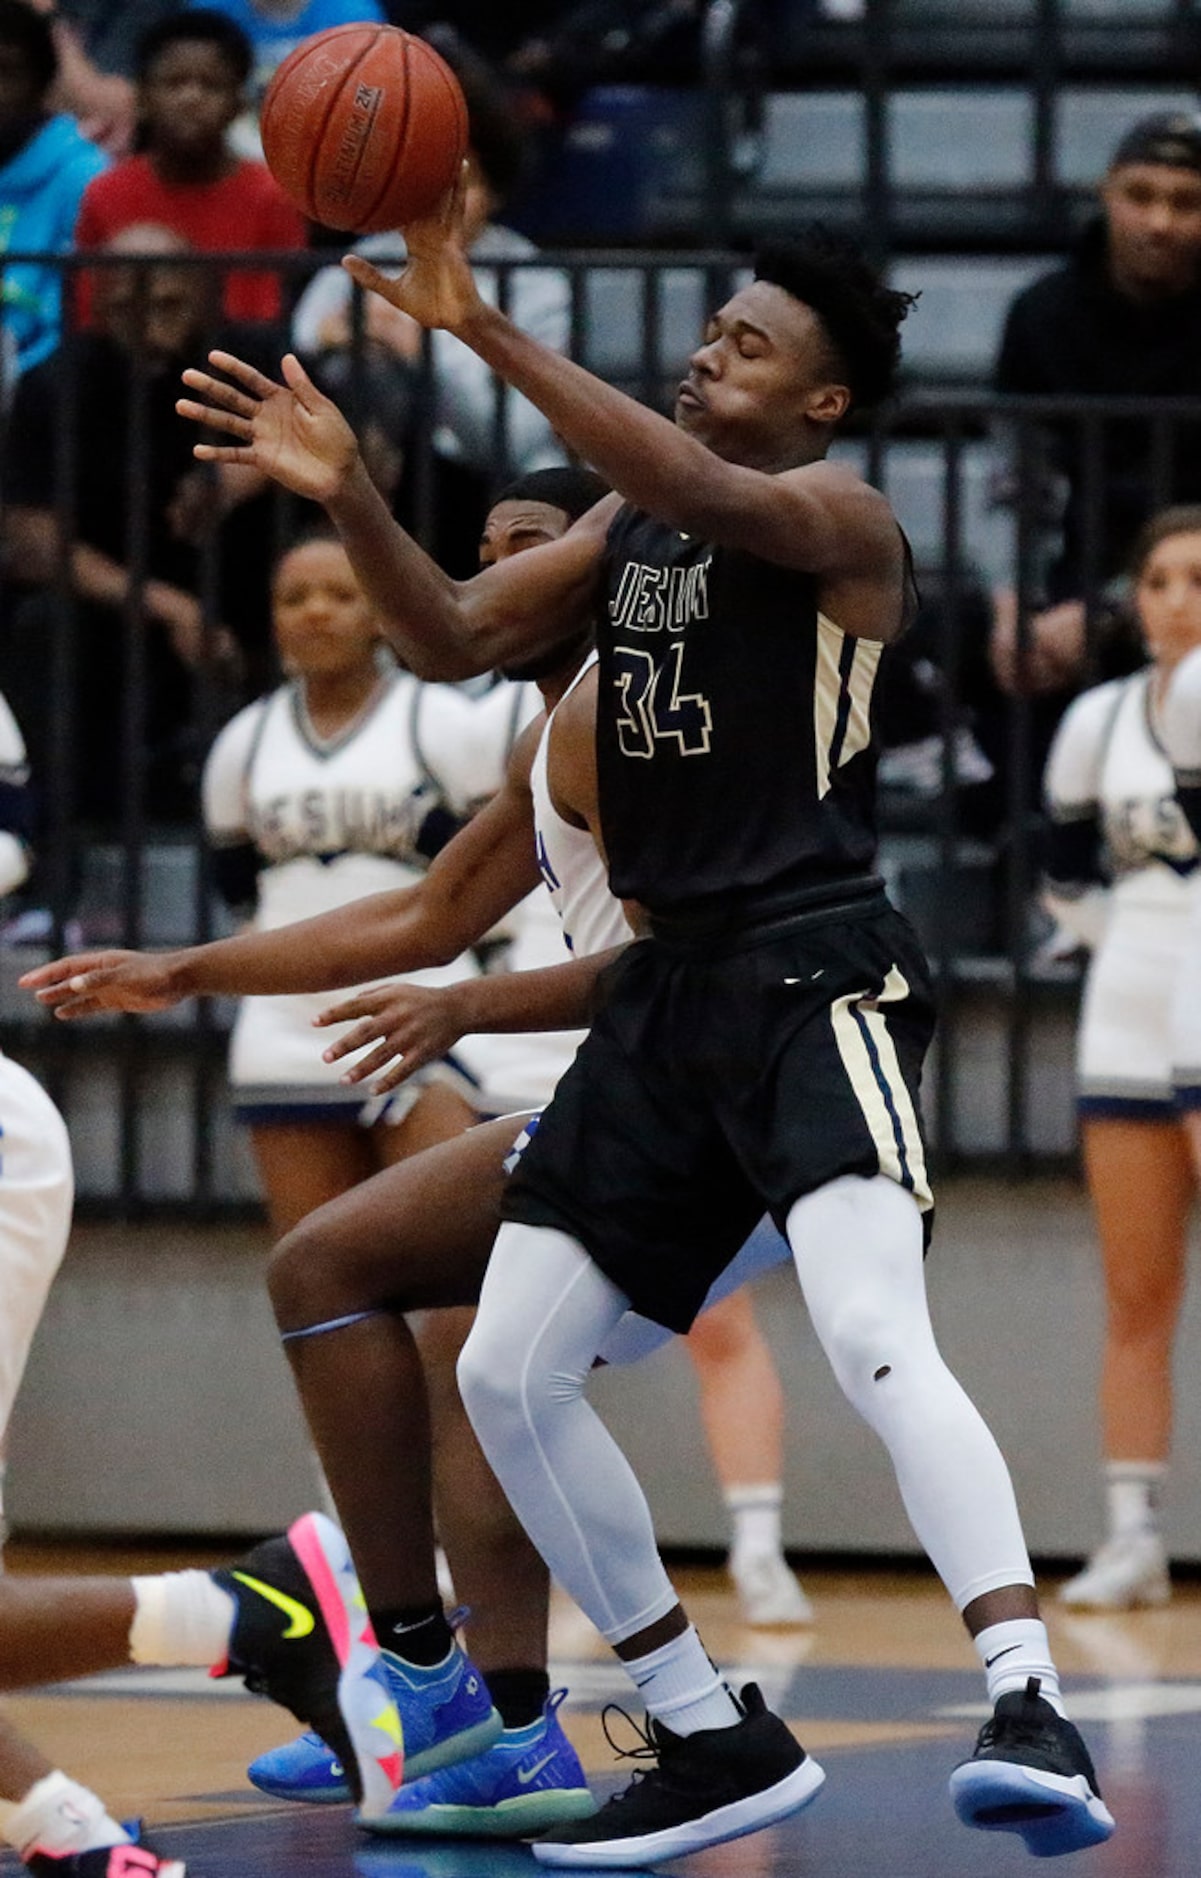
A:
{"x":544,"y":1311}
{"x":858,"y":1250}
{"x":36,"y":1194}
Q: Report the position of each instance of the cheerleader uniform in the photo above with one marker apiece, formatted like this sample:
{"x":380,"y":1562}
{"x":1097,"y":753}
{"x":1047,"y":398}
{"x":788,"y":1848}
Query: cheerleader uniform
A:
{"x":302,"y":824}
{"x":1114,"y":815}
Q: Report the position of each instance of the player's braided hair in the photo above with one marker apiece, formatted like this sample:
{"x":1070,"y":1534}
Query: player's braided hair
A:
{"x":860,"y":315}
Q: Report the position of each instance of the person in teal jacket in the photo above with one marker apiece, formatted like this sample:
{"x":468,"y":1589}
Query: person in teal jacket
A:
{"x":45,"y":165}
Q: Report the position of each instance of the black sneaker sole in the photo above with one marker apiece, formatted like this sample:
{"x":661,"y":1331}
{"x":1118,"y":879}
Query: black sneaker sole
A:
{"x":1054,"y":1813}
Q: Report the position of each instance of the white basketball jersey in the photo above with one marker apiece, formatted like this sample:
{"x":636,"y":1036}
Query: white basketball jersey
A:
{"x":519,"y":1071}
{"x":591,"y":917}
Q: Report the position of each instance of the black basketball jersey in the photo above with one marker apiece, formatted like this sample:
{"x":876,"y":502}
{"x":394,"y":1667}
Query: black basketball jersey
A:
{"x":734,"y":737}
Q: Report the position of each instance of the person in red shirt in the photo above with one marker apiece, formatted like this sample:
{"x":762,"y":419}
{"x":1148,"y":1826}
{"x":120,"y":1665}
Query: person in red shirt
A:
{"x":191,"y":72}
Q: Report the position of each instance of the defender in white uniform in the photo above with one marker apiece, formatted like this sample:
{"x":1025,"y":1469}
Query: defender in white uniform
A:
{"x":1124,"y":877}
{"x":520,"y":1070}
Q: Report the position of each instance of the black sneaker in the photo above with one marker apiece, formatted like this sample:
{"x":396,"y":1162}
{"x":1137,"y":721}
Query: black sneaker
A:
{"x":110,"y":1861}
{"x":706,"y":1788}
{"x":302,"y":1636}
{"x":1031,"y":1773}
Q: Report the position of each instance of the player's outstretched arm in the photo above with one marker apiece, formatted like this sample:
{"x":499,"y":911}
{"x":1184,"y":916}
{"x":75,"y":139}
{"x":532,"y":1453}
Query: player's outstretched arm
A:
{"x":479,"y":877}
{"x":820,"y":519}
{"x":443,"y":629}
{"x":412,"y":1025}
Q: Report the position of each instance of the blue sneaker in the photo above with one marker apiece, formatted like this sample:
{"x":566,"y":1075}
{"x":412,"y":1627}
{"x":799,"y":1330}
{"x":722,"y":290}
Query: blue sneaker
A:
{"x":446,"y":1715}
{"x":528,"y":1780}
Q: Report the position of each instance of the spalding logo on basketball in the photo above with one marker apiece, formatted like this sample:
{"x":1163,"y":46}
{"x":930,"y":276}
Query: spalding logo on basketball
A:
{"x":364,"y":128}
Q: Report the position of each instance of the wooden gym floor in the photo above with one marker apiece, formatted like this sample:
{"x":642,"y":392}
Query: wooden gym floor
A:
{"x":883,"y":1690}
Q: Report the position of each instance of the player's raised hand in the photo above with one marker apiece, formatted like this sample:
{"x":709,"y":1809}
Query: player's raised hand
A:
{"x":410,"y":1025}
{"x":86,"y":983}
{"x":437,"y":287}
{"x":290,"y":431}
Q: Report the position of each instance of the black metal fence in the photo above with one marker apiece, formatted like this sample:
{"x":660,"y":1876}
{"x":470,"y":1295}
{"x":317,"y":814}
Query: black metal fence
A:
{"x":979,"y":485}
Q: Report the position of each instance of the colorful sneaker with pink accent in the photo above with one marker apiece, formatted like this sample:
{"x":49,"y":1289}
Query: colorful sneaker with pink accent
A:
{"x":302,"y":1636}
{"x":109,"y":1861}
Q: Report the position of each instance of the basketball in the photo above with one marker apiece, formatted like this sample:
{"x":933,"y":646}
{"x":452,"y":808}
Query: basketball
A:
{"x":364,"y":128}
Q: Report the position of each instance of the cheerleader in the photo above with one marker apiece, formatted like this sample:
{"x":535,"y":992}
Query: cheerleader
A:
{"x":1121,"y":879}
{"x":344,"y":782}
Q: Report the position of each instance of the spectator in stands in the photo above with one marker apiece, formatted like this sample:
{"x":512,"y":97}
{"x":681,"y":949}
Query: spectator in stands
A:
{"x":45,"y":165}
{"x":1122,"y":318}
{"x":1115,"y":818}
{"x":191,"y":73}
{"x":383,"y":386}
{"x":117,"y":383}
{"x":96,"y":41}
{"x":275,"y":28}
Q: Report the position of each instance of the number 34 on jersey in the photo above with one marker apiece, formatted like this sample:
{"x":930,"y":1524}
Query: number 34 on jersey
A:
{"x":654,"y":705}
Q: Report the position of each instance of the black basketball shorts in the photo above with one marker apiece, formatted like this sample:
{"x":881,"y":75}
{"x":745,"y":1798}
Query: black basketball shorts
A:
{"x":715,"y":1086}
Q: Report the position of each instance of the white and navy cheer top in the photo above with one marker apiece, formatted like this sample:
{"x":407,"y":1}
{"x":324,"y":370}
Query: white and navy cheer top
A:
{"x":316,"y":823}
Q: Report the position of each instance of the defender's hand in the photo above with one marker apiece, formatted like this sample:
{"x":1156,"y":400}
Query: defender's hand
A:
{"x":290,"y":431}
{"x":86,"y":983}
{"x":410,"y":1025}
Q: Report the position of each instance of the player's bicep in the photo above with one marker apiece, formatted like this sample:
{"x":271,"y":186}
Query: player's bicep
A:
{"x":485,"y":872}
{"x":531,"y":601}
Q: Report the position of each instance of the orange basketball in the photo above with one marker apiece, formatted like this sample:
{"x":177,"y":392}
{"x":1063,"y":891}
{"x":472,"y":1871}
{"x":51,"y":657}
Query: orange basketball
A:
{"x":364,"y":128}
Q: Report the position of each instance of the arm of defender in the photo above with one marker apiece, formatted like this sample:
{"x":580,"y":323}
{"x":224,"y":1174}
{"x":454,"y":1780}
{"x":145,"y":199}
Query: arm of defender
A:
{"x":443,"y":629}
{"x":411,"y":1025}
{"x":479,"y":877}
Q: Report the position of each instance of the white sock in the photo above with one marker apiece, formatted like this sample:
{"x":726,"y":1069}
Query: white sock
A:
{"x":58,"y":1816}
{"x":1013,"y":1652}
{"x":1132,"y":1490}
{"x":681,"y":1687}
{"x":755,"y":1519}
{"x":182,"y":1618}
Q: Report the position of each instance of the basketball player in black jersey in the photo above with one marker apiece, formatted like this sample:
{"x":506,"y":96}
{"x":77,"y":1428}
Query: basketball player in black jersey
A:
{"x":764,"y":1045}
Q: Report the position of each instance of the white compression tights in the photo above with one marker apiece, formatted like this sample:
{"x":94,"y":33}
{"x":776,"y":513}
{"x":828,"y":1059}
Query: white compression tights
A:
{"x":858,"y":1251}
{"x":545,"y":1310}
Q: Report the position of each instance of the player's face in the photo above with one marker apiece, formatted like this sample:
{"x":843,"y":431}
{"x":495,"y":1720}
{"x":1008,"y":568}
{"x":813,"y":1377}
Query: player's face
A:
{"x":1168,"y":598}
{"x":1153,"y":214}
{"x":189,"y":97}
{"x":512,"y":527}
{"x":761,"y":379}
{"x":323,"y":625}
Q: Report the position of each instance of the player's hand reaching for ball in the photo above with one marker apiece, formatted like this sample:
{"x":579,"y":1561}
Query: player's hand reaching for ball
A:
{"x":86,"y":983}
{"x":437,"y":287}
{"x":291,"y":431}
{"x":410,"y":1026}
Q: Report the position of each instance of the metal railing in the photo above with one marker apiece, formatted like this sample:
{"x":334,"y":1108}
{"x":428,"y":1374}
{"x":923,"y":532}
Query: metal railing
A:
{"x":703,"y":157}
{"x":150,"y":1090}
